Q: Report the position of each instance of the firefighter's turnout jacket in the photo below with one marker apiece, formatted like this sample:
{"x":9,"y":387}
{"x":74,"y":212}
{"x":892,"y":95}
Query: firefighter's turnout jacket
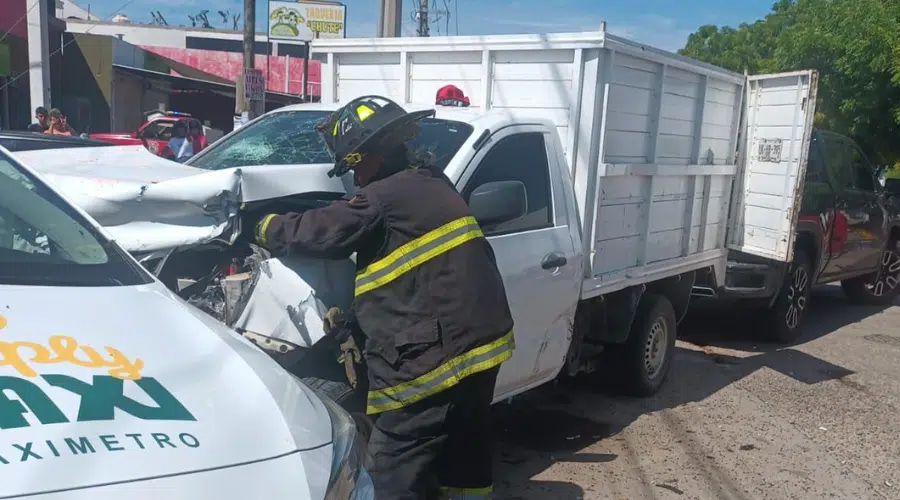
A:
{"x":428,"y":293}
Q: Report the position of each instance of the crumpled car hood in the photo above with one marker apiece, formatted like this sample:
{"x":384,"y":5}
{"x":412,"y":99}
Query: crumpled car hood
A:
{"x":147,"y":203}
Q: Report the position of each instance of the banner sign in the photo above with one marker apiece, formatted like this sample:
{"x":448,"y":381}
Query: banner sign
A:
{"x":304,"y":21}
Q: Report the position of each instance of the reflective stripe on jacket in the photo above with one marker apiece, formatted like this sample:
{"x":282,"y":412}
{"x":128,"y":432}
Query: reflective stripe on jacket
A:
{"x":428,"y":294}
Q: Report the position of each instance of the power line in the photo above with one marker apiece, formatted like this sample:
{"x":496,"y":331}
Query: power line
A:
{"x":66,"y":44}
{"x":20,"y":20}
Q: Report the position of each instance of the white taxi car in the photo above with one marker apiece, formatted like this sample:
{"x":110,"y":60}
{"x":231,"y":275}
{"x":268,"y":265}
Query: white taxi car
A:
{"x":111,"y":387}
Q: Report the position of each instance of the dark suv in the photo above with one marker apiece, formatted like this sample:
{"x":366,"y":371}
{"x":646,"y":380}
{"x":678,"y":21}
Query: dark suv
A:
{"x":848,"y":231}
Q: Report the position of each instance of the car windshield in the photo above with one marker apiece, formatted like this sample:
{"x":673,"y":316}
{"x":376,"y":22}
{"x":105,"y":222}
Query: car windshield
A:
{"x":290,"y":138}
{"x":43,"y":241}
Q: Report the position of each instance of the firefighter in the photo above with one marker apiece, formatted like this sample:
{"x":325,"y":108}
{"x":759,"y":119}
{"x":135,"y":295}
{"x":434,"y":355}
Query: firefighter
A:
{"x":428,"y":296}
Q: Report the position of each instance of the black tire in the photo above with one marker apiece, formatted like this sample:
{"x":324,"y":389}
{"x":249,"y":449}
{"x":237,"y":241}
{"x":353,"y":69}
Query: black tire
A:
{"x":881,"y":287}
{"x":783,"y":322}
{"x":643,"y":362}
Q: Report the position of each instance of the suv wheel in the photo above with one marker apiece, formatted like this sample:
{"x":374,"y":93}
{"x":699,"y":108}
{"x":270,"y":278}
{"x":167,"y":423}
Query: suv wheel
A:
{"x":785,"y":317}
{"x":881,"y":287}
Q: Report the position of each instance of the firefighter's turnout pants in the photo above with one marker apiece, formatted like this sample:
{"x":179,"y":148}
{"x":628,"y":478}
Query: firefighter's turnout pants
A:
{"x":437,"y":448}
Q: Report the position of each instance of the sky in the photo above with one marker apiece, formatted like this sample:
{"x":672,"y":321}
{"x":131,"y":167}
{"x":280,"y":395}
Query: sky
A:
{"x":661,"y":23}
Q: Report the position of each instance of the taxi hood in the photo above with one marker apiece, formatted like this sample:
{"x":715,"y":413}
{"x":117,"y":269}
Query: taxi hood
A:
{"x":147,"y":203}
{"x":103,"y":385}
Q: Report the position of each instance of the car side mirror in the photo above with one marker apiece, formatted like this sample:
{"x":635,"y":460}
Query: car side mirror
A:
{"x":496,"y":202}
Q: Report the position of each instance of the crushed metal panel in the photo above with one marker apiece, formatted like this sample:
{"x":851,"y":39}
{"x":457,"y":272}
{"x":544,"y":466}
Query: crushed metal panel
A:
{"x":292,"y":295}
{"x":147,"y":203}
{"x":776,"y":132}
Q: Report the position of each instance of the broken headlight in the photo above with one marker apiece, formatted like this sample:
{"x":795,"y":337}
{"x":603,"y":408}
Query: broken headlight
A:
{"x":349,"y":479}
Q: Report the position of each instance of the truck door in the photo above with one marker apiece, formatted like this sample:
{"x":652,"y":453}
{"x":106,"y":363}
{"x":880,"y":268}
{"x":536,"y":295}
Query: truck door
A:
{"x":858,"y":224}
{"x":535,"y":252}
{"x":775,"y":135}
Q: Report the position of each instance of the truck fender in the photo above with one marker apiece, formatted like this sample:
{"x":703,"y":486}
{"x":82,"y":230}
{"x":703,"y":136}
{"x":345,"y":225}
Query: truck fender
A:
{"x":812,"y":235}
{"x":612,"y":319}
{"x":620,"y":307}
{"x":601,"y":320}
{"x":677,"y":289}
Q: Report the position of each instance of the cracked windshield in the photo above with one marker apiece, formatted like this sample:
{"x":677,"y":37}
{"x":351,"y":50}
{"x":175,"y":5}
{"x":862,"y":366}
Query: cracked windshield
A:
{"x":290,"y":138}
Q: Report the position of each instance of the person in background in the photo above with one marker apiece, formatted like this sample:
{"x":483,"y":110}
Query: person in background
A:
{"x":181,"y":145}
{"x":58,"y":125}
{"x":66,"y":126}
{"x":43,"y":120}
{"x":198,"y":138}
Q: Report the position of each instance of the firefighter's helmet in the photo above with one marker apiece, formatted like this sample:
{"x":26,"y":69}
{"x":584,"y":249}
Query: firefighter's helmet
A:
{"x":368,"y":124}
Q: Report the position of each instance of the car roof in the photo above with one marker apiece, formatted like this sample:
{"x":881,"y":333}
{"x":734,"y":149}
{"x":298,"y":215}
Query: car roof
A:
{"x":45,"y":139}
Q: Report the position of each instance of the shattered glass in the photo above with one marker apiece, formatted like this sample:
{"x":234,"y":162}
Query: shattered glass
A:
{"x":290,"y":138}
{"x":287,"y":138}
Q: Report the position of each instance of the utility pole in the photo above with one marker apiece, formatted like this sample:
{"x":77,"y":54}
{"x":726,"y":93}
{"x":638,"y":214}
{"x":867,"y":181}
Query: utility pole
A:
{"x":422,"y":18}
{"x":389,"y":18}
{"x":242,"y":104}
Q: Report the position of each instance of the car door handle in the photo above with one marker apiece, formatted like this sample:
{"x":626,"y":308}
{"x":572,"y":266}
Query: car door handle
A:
{"x":553,"y":260}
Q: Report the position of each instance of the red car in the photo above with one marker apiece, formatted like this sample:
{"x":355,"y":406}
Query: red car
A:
{"x":154,"y":134}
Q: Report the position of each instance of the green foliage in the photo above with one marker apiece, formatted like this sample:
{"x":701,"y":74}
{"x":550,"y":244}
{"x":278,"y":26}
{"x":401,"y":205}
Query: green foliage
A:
{"x":855,"y":46}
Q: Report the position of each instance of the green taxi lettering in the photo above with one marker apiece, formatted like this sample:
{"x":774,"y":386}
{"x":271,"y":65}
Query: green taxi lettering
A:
{"x":86,"y":445}
{"x":30,"y":399}
{"x":98,"y":401}
{"x":81,"y":446}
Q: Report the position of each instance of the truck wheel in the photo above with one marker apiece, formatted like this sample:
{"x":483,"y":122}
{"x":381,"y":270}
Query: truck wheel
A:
{"x":782,"y":322}
{"x":878,"y":288}
{"x":644,"y":360}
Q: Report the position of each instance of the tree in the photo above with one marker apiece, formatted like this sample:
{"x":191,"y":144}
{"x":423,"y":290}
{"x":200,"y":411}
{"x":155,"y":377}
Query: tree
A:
{"x":855,"y":46}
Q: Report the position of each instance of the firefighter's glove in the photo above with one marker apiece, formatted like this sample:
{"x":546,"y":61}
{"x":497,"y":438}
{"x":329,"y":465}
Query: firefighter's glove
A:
{"x":334,"y":319}
{"x":253,"y":230}
{"x":351,"y":357}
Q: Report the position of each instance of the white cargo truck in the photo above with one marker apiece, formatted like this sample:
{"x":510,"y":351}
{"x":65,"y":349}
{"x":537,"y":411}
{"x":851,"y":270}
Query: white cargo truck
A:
{"x":602,"y":171}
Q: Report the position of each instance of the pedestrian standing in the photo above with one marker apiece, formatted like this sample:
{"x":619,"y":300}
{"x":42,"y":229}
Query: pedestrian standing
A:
{"x":43,"y":120}
{"x":181,"y":143}
{"x":58,"y":125}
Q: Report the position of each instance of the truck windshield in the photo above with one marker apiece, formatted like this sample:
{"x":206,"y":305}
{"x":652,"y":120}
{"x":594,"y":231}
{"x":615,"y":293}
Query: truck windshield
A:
{"x":290,"y":138}
{"x":44,"y":241}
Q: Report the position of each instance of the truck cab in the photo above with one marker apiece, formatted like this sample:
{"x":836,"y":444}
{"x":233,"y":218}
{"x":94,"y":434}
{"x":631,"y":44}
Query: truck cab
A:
{"x":847,"y":232}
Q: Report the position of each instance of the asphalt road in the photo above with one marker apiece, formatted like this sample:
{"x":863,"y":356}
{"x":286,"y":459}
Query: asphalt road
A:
{"x":738,"y":419}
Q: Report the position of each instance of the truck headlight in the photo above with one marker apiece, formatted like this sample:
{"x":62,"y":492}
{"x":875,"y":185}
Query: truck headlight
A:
{"x":349,"y":479}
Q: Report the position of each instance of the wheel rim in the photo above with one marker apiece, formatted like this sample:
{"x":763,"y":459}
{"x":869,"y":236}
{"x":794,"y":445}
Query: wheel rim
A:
{"x":655,"y":349}
{"x":796,"y":297}
{"x":888,"y":276}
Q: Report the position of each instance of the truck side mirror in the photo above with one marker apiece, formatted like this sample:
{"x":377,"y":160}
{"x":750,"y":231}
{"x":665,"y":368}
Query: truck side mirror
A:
{"x":500,"y":201}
